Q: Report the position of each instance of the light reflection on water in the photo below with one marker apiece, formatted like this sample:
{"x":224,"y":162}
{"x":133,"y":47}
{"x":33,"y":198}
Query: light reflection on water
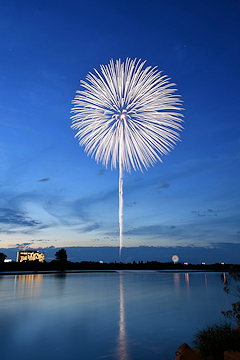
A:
{"x":29,"y":285}
{"x":122,"y":347}
{"x":187,"y":279}
{"x":124,"y":316}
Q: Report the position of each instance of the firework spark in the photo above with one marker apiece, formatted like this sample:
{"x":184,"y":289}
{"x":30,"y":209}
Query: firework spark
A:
{"x":127,"y":114}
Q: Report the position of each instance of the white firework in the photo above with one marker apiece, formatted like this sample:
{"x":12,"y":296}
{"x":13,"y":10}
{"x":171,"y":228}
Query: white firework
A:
{"x":127,"y":114}
{"x":175,"y":259}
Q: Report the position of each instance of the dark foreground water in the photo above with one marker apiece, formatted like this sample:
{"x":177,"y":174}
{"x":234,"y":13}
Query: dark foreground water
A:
{"x":141,"y":315}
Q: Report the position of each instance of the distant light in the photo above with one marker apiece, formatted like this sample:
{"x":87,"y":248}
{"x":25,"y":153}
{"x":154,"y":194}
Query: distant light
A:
{"x":8,"y":260}
{"x":203,"y":263}
{"x":100,"y":262}
{"x":185,"y":263}
{"x":222,"y":263}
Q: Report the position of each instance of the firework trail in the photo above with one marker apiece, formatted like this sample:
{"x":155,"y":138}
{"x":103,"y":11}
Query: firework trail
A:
{"x":127,"y":114}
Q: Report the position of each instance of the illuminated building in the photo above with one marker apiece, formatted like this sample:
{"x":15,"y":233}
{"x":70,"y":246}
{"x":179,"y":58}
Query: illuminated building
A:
{"x":30,"y":256}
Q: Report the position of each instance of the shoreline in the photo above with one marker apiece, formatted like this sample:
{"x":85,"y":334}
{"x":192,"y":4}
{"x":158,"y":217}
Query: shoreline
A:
{"x":62,"y":272}
{"x":58,"y":267}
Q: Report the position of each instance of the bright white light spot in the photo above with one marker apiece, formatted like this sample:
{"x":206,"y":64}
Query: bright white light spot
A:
{"x":175,"y":259}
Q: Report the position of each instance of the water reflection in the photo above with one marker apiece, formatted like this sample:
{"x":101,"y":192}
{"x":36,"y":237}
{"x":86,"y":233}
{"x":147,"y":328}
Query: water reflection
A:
{"x":60,"y":278}
{"x":205,"y":276}
{"x":176,"y":279}
{"x":113,"y":316}
{"x":224,"y":278}
{"x":29,"y":285}
{"x":122,"y":349}
{"x":187,"y":280}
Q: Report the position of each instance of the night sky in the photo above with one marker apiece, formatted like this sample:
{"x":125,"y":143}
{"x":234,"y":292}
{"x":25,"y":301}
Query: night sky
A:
{"x":53,"y":195}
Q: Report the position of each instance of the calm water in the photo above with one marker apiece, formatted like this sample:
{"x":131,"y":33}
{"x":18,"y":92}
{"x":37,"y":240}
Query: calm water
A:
{"x":143,"y":315}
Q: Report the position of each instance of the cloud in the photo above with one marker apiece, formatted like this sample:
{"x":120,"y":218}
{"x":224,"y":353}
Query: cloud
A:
{"x":208,"y":212}
{"x":81,"y":206}
{"x":42,"y":240}
{"x":200,"y":230}
{"x":90,"y":228}
{"x":198,"y":213}
{"x":28,"y":231}
{"x":7,"y":231}
{"x":44,"y":179}
{"x":147,"y":230}
{"x":180,"y":171}
{"x":131,"y":204}
{"x":101,"y":172}
{"x":17,"y":218}
{"x":25,"y":245}
{"x":41,"y":227}
{"x":162,"y":185}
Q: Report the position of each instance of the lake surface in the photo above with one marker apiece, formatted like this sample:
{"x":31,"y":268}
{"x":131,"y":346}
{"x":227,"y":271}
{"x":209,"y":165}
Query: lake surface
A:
{"x":125,"y":316}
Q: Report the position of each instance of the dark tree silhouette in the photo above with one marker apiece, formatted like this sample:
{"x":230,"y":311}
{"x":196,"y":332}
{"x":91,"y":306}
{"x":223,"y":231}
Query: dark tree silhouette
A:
{"x":230,"y":286}
{"x":61,"y":255}
{"x":2,"y":258}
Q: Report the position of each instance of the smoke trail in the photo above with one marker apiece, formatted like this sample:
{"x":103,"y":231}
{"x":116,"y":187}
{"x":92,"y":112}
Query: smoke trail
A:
{"x":120,"y":197}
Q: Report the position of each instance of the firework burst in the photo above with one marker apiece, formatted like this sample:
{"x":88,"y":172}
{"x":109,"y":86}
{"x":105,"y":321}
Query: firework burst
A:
{"x":127,"y":114}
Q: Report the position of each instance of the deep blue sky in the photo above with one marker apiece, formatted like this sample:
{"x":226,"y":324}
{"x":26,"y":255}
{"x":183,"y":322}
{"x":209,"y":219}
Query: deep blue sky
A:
{"x":52,"y":194}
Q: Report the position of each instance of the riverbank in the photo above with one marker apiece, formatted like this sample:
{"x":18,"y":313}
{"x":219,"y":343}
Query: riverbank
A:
{"x":67,"y":266}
